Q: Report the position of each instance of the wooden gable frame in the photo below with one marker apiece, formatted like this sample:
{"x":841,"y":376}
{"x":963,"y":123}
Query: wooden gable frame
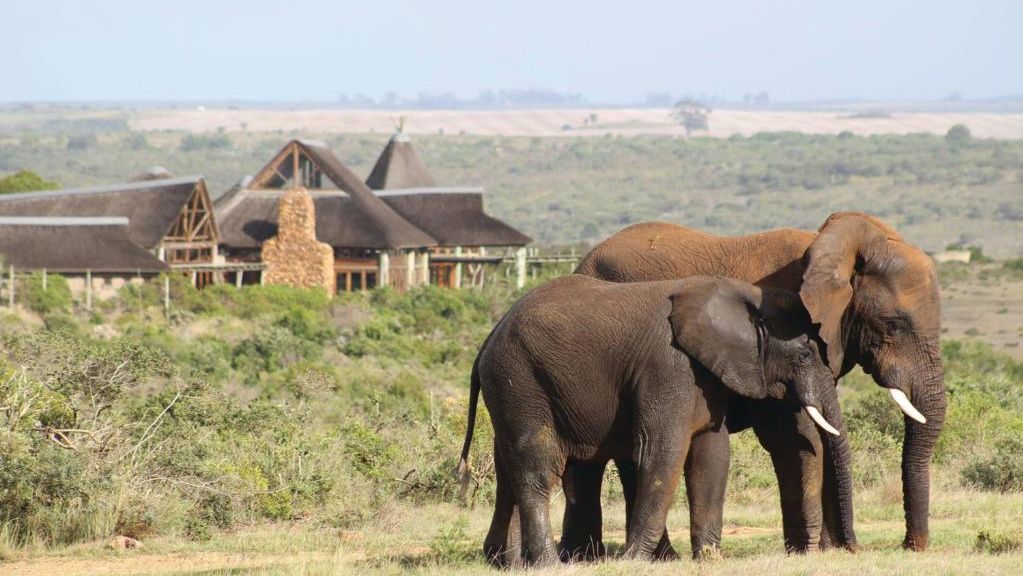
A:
{"x":194,"y":236}
{"x":291,"y":160}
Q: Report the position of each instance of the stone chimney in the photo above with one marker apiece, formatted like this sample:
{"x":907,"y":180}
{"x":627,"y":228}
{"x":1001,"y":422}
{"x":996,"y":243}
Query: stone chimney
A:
{"x":294,"y":256}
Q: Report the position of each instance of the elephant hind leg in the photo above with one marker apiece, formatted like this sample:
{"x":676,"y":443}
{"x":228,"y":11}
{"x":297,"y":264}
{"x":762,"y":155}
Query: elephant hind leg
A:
{"x":627,"y":473}
{"x":582,"y":527}
{"x":534,"y":469}
{"x":503,"y":545}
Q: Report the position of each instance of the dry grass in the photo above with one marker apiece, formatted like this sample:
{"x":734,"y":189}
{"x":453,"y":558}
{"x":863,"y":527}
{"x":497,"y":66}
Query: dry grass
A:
{"x":553,"y":122}
{"x":410,"y":539}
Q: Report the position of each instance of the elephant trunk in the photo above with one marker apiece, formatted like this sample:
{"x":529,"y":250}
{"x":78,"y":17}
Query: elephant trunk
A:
{"x":838,"y":466}
{"x":917,"y":448}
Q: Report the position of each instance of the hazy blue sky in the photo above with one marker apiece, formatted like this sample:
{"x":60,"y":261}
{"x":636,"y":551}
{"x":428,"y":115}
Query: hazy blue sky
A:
{"x":316,"y":50}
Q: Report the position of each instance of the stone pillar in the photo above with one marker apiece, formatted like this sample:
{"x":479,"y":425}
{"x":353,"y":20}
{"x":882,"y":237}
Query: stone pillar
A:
{"x":410,"y":269}
{"x":294,"y":256}
{"x":458,"y":270}
{"x":424,"y":268}
{"x":520,"y":267}
{"x":384,"y":274}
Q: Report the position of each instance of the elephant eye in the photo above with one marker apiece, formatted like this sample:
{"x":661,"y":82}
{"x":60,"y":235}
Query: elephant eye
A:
{"x":805,"y":356}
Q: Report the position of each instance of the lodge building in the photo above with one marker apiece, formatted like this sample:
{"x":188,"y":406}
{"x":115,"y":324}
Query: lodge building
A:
{"x":398,"y":228}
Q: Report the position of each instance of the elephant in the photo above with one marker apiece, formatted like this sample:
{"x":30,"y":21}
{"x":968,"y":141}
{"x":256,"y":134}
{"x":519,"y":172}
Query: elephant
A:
{"x":586,"y":370}
{"x":874,"y":298}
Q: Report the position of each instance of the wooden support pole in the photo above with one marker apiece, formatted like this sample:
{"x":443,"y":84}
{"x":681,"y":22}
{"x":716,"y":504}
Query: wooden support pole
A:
{"x":88,"y":290}
{"x":457,"y":284}
{"x":10,"y":287}
{"x":410,"y":269}
{"x":424,"y":268}
{"x":384,"y":274}
{"x":520,"y":268}
{"x":238,"y":278}
{"x":166,"y":294}
{"x":44,"y":279}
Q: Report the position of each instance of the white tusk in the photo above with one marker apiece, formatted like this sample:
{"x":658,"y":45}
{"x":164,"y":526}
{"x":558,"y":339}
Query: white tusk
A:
{"x":819,"y":419}
{"x":907,"y":407}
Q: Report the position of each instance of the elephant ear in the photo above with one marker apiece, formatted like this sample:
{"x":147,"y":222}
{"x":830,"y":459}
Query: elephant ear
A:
{"x":716,"y":322}
{"x":845,"y":242}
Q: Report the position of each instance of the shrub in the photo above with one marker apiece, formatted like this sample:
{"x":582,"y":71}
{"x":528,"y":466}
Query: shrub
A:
{"x":56,"y":297}
{"x":192,"y":142}
{"x":1002,"y":470}
{"x":998,"y":541}
{"x":25,"y":181}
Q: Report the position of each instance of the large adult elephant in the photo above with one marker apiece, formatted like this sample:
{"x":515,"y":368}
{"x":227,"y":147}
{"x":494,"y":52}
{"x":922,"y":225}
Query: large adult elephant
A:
{"x":875,"y":299}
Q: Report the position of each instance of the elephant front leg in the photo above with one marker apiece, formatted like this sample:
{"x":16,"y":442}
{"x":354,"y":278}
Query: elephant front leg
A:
{"x":706,"y":479}
{"x":796,"y":452}
{"x":582,"y":527}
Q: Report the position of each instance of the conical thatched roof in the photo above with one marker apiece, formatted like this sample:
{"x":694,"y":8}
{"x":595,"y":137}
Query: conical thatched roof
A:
{"x":400,"y":166}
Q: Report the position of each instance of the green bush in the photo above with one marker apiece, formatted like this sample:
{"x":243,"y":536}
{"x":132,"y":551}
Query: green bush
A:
{"x":25,"y":181}
{"x":999,"y":541}
{"x":1002,"y":470}
{"x":56,"y":297}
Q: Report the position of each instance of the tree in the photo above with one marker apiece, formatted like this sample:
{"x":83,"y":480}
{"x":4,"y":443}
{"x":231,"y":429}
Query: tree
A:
{"x":692,"y":115}
{"x":25,"y":181}
{"x":958,"y":135}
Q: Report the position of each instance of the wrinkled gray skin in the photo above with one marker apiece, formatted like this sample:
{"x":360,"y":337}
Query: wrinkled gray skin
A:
{"x":587,"y":371}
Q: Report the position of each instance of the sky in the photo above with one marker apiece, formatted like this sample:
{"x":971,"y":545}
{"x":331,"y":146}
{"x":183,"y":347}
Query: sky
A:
{"x":610,"y":52}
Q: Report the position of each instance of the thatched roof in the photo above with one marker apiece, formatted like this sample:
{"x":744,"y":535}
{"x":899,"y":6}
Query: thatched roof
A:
{"x":249,"y":218}
{"x":453,"y":216}
{"x":400,"y":166}
{"x":349,"y":217}
{"x":151,"y":207}
{"x":74,"y":245}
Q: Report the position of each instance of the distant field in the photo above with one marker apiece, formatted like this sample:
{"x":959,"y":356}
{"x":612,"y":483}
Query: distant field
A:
{"x":573,"y":122}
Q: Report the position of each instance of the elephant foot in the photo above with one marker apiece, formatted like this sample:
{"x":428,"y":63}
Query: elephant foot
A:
{"x":582,"y":552}
{"x":665,"y":552}
{"x":915,"y":542}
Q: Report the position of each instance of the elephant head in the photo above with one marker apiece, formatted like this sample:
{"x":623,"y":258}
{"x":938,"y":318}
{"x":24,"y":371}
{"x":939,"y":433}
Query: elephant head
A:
{"x":876,"y":301}
{"x":756,"y":342}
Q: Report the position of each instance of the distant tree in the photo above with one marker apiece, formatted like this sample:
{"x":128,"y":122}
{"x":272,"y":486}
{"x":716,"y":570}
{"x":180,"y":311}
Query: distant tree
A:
{"x":25,"y":181}
{"x":762,"y":99}
{"x":692,"y":115}
{"x":958,"y":135}
{"x":81,"y":142}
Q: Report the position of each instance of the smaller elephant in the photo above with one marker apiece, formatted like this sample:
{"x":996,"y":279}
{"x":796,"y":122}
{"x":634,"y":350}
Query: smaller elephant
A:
{"x":586,"y":370}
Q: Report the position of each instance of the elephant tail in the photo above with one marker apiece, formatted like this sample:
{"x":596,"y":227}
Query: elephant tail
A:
{"x":474,"y":395}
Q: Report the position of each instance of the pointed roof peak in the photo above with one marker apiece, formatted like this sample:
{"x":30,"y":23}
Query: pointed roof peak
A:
{"x":400,"y":166}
